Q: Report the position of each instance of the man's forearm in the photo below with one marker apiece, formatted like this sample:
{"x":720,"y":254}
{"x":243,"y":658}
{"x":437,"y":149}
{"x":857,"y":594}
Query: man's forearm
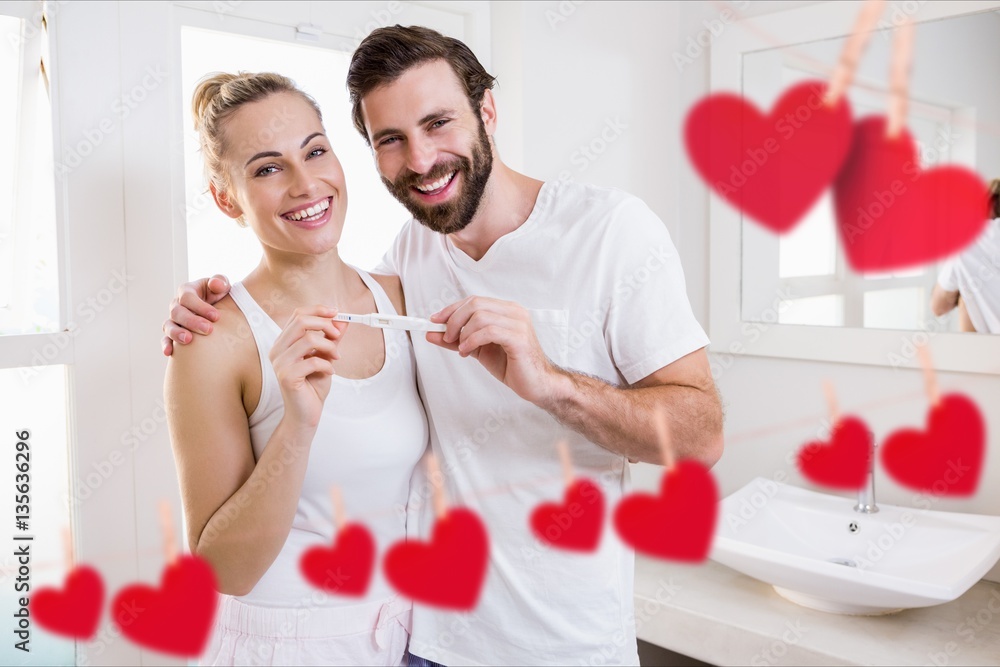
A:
{"x":622,"y":419}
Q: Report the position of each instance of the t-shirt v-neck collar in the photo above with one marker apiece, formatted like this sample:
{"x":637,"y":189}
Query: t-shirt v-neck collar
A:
{"x":459,"y":257}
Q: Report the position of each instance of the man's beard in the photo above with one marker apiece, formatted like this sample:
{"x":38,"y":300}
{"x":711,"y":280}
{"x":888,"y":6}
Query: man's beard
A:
{"x":453,"y":215}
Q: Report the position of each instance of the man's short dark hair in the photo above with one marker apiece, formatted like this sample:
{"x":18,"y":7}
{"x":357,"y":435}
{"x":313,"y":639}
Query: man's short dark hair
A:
{"x":387,"y":53}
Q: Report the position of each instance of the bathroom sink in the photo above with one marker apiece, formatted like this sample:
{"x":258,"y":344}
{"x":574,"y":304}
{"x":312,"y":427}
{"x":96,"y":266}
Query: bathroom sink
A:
{"x":818,"y":552}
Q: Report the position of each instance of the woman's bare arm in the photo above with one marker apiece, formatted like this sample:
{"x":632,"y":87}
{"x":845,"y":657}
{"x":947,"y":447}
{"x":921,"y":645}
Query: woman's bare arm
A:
{"x":239,"y":511}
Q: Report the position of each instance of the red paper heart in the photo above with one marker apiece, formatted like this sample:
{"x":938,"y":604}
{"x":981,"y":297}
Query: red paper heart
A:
{"x":773,"y":167}
{"x":843,"y":463}
{"x":679,"y":523}
{"x":892,"y":214}
{"x":947,"y":458}
{"x":448,"y":571}
{"x":575,"y":524}
{"x":175,"y":618}
{"x":73,"y":611}
{"x":345,"y":568}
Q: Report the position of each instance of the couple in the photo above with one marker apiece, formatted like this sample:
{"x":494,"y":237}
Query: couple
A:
{"x":569,"y":299}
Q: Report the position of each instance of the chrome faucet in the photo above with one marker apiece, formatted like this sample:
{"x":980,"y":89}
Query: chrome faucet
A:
{"x":866,"y":494}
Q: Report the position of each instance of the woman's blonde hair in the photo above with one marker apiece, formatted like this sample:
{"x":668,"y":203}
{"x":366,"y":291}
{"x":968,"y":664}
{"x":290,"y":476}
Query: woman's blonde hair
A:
{"x":995,"y":198}
{"x":217,"y":97}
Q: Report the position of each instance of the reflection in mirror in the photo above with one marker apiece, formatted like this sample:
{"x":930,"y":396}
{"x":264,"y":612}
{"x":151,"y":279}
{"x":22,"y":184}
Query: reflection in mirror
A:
{"x":802,"y":277}
{"x":965,"y":282}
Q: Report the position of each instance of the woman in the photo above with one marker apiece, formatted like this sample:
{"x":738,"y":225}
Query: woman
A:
{"x":266,"y":418}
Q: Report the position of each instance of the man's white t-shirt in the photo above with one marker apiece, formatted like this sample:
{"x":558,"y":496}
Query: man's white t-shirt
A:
{"x":975,"y":274}
{"x":601,"y":278}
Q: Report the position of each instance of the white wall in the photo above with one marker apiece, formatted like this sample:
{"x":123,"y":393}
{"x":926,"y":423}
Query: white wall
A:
{"x":579,"y":78}
{"x":574,"y":67}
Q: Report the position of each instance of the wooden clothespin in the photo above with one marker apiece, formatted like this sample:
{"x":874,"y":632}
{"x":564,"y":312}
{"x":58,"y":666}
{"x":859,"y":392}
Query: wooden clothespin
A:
{"x":434,"y":472}
{"x":339,"y":515}
{"x":662,"y":426}
{"x":843,"y":74}
{"x":831,"y":402}
{"x":67,"y":540}
{"x":899,"y":78}
{"x":169,"y":540}
{"x":930,"y":377}
{"x":567,"y":463}
{"x":899,"y":70}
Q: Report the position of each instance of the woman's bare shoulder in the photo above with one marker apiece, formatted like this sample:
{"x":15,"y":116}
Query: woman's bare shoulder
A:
{"x":221,"y":367}
{"x":230,"y":334}
{"x":227,"y":353}
{"x":394,"y":288}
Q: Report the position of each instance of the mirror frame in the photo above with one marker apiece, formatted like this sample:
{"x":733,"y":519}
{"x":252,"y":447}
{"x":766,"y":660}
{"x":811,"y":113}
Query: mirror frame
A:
{"x":729,"y":332}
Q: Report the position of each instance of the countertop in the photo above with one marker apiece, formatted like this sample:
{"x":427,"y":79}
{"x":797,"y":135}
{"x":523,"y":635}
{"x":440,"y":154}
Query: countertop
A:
{"x":715,"y":614}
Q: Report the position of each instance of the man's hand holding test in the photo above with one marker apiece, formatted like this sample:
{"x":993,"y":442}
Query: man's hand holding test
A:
{"x":500,"y":335}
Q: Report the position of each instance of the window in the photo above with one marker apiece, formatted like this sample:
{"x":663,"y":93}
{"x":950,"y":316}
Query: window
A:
{"x":29,"y":267}
{"x":35,"y":398}
{"x":810,"y":249}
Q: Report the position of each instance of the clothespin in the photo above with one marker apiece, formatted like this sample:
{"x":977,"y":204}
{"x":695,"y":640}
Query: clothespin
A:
{"x":930,"y":377}
{"x":339,"y":516}
{"x":843,"y":74}
{"x":662,"y":426}
{"x":567,"y":464}
{"x":831,"y":402}
{"x":67,"y":540}
{"x":899,"y":78}
{"x":899,"y":69}
{"x":434,"y":472}
{"x":169,"y":540}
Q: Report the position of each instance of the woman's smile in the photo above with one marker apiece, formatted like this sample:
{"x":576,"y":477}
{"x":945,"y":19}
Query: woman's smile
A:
{"x":310,"y":216}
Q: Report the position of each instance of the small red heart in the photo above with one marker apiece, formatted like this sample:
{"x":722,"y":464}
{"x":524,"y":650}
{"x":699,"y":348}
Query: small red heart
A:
{"x":175,"y":618}
{"x":345,"y":568}
{"x":575,"y":524}
{"x":679,"y":523}
{"x":844,"y":462}
{"x":947,"y":458}
{"x":74,"y":611}
{"x":448,"y":571}
{"x":892,"y":214}
{"x":773,"y":167}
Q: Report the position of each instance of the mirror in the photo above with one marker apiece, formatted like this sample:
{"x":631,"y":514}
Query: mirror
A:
{"x":954,"y":116}
{"x":793,"y":296}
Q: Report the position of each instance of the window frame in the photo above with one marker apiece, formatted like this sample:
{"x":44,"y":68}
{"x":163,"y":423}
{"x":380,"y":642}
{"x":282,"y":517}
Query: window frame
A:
{"x":19,"y":350}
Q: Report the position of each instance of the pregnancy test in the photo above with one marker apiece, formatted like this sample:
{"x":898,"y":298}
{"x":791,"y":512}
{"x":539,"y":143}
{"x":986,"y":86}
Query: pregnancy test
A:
{"x":380,"y":321}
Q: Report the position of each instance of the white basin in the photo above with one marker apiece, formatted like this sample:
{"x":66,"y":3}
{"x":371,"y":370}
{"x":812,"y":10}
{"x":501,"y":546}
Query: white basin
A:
{"x":803,"y":543}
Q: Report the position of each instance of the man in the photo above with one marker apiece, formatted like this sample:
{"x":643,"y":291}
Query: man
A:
{"x":570,"y":300}
{"x":969,"y":281}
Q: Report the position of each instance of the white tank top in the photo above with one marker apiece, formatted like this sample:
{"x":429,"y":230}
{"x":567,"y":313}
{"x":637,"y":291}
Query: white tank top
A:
{"x":371,"y":435}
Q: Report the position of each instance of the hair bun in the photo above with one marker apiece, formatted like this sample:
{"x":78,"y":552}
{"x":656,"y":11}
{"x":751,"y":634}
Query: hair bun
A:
{"x":205,"y":93}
